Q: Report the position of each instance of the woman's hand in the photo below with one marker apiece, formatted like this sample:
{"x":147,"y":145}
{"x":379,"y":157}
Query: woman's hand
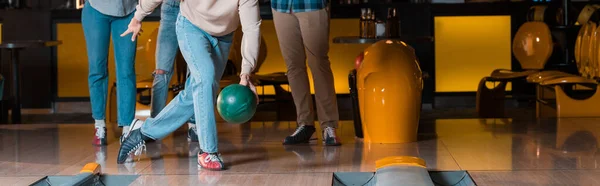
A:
{"x":245,"y":81}
{"x":135,"y":27}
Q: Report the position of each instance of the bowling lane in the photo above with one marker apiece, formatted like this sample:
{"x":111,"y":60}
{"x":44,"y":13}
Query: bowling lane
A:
{"x":537,"y":178}
{"x":18,"y":180}
{"x":220,"y":178}
{"x":495,"y":151}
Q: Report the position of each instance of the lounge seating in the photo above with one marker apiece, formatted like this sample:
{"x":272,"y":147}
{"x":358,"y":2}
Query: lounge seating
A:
{"x":532,"y":47}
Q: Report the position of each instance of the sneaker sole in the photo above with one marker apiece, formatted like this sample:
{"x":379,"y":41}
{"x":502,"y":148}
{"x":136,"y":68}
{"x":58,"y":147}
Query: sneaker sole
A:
{"x":204,"y":168}
{"x":301,"y":143}
{"x":298,"y":143}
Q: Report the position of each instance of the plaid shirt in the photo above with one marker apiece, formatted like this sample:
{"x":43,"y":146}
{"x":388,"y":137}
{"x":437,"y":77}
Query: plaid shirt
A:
{"x":288,"y":6}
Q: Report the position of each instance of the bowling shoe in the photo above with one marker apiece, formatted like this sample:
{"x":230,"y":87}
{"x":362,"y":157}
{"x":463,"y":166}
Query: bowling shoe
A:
{"x":100,"y":136}
{"x":136,"y":124}
{"x":301,"y":135}
{"x":132,"y":144}
{"x":211,"y":161}
{"x":330,"y":138}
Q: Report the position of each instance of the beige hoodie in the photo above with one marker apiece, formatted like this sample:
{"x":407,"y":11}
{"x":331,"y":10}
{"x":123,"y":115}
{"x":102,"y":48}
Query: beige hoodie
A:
{"x":219,"y":18}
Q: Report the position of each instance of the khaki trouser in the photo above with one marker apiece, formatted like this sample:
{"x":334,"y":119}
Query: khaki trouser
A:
{"x":303,"y":36}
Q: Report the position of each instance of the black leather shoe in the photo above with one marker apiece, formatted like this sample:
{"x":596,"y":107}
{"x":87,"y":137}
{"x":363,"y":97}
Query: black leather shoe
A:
{"x":301,"y":135}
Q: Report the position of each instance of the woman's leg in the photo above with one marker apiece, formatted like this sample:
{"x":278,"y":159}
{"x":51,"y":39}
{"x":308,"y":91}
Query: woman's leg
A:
{"x":125,"y":51}
{"x":96,"y":29}
{"x":166,"y":49}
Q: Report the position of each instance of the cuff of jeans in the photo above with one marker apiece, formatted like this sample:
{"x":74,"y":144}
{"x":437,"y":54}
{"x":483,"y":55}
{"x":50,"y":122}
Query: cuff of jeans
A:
{"x":146,"y":135}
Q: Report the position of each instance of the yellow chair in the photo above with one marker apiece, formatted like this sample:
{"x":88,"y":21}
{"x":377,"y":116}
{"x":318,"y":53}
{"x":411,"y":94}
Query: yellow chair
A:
{"x":532,"y":47}
{"x":551,"y":95}
{"x":390,"y":83}
{"x":583,"y":36}
{"x":593,"y":59}
{"x":582,"y":48}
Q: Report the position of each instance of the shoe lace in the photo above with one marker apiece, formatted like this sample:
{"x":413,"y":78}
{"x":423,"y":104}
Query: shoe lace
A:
{"x":330,"y":132}
{"x":100,"y":132}
{"x":138,"y":149}
{"x":213,"y":158}
{"x":298,"y":130}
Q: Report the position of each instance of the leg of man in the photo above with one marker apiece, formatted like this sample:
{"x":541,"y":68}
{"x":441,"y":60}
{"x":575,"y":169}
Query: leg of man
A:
{"x":96,"y":29}
{"x":125,"y":51}
{"x":203,"y":53}
{"x":287,"y":27}
{"x":207,"y":57}
{"x":315,"y":33}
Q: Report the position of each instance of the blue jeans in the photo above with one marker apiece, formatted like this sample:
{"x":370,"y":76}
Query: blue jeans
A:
{"x":166,"y":50}
{"x":206,"y":57}
{"x":97,"y":29}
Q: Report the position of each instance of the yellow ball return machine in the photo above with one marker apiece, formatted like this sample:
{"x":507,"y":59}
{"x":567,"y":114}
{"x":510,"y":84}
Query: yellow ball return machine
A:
{"x":389,"y":84}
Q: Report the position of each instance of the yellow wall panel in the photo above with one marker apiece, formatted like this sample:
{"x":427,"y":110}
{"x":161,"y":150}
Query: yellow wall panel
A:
{"x":72,"y":61}
{"x":73,"y":67}
{"x":467,"y":48}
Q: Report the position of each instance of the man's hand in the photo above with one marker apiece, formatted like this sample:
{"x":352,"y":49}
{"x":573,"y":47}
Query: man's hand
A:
{"x":245,"y":81}
{"x":135,"y":28}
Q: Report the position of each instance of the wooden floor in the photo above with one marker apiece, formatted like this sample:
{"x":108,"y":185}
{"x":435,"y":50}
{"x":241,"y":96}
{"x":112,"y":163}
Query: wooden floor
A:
{"x":494,"y":151}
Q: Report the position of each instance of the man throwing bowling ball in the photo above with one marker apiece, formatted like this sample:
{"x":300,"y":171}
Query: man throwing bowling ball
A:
{"x":204,"y":32}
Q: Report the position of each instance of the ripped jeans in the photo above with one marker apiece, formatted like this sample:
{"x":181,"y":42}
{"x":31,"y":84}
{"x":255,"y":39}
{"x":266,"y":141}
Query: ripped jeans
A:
{"x":166,"y":50}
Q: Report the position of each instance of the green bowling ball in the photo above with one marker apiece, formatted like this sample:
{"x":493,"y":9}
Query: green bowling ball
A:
{"x":236,"y":104}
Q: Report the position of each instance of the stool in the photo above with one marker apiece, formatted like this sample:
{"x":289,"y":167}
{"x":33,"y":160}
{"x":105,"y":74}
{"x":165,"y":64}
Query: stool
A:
{"x":14,"y":47}
{"x":281,"y":95}
{"x":276,"y":80}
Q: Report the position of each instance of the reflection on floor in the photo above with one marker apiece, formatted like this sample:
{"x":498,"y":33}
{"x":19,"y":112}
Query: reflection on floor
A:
{"x":494,"y":151}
